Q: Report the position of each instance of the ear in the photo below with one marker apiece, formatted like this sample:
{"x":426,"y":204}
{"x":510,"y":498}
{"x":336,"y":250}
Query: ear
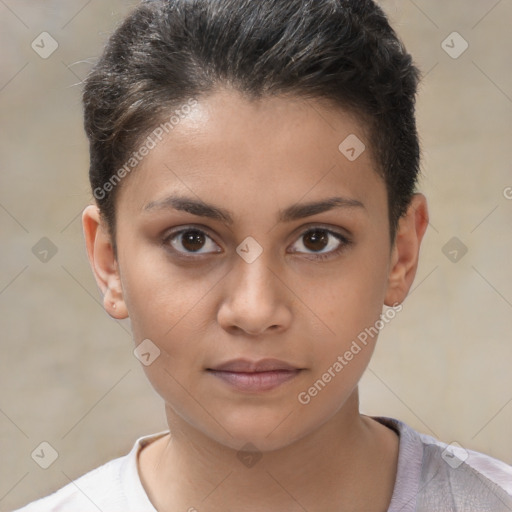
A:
{"x":103,"y":263}
{"x":405,"y":253}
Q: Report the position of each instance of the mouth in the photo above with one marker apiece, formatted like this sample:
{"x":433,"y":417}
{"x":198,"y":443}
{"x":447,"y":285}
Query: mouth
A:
{"x":254,"y":376}
{"x":248,"y":366}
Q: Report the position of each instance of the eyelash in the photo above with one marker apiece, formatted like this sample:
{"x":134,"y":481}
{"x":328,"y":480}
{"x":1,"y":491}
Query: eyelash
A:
{"x":344,"y":243}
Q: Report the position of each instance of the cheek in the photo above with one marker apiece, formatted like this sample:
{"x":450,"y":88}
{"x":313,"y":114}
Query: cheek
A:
{"x":353,"y":299}
{"x":341,"y":357}
{"x":163,"y":298}
{"x":350,"y":303}
{"x":169,"y":308}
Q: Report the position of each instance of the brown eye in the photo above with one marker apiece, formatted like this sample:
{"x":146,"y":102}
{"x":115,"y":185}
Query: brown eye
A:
{"x":190,"y":241}
{"x":315,"y":242}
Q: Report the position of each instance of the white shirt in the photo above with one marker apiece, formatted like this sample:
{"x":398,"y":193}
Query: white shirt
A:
{"x":430,"y":478}
{"x":112,"y":487}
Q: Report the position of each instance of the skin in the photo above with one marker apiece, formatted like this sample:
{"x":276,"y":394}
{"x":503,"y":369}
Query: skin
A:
{"x":254,"y":159}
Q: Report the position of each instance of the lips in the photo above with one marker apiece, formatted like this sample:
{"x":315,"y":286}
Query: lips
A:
{"x":254,"y":376}
{"x":247,"y":366}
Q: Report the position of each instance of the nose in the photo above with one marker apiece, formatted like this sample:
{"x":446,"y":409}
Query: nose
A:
{"x":256,"y":300}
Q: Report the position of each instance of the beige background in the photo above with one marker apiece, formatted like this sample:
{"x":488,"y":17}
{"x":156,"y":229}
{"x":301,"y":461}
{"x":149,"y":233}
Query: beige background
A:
{"x":68,"y":375}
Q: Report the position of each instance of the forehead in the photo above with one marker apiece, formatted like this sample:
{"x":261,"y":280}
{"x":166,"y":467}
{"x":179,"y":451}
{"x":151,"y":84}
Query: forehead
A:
{"x":259,"y":154}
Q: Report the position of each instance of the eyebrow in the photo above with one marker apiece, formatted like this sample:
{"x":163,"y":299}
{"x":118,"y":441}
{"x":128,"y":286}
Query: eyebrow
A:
{"x":294,"y":212}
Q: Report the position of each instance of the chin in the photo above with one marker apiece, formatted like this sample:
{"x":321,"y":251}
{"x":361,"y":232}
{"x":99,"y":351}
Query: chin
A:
{"x":266,"y":433}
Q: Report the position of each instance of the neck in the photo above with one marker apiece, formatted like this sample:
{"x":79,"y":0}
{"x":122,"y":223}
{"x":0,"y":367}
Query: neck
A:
{"x":337,"y":463}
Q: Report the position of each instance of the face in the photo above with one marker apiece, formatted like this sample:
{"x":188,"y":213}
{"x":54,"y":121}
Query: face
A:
{"x":258,"y":273}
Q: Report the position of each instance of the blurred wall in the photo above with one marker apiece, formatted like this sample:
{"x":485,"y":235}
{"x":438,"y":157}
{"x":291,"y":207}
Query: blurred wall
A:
{"x":68,"y":375}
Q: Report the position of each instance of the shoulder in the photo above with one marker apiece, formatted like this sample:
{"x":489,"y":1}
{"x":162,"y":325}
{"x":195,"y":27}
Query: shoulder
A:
{"x":489,"y":469}
{"x":83,"y":494}
{"x":112,"y":487}
{"x":469,"y":479}
{"x":447,"y":477}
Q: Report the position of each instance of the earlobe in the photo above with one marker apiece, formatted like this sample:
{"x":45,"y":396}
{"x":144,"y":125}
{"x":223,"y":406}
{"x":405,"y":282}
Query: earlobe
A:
{"x":405,"y":254}
{"x":103,"y":263}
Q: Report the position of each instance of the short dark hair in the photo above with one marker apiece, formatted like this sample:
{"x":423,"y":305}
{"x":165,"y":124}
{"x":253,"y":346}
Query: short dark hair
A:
{"x":166,"y":51}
